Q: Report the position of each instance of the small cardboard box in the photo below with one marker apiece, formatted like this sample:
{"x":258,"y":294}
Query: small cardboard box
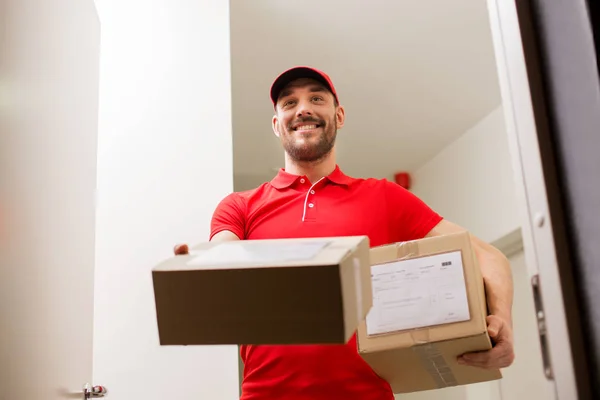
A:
{"x":283,"y":291}
{"x":429,"y":308}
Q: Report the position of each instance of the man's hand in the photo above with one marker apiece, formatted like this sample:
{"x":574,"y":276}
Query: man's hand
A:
{"x":501,"y":355}
{"x":223,"y":236}
{"x":181,"y":249}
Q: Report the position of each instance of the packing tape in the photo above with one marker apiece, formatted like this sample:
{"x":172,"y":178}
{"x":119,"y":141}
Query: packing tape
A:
{"x":435,"y":364}
{"x":420,"y":336}
{"x":406,"y":250}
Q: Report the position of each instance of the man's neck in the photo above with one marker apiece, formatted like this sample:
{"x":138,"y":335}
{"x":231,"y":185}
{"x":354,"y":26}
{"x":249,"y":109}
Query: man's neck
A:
{"x":313,"y":171}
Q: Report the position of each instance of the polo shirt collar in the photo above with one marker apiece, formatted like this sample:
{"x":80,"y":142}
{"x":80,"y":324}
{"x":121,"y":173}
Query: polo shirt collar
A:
{"x":284,"y":179}
{"x":339,"y":178}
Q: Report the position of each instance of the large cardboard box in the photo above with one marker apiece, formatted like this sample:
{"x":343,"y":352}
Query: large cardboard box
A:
{"x":429,"y":308}
{"x":284,"y":291}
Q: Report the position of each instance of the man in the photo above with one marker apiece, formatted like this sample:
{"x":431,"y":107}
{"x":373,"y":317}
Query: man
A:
{"x":312,"y":197}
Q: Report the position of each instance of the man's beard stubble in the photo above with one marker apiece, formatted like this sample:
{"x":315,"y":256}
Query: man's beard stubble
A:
{"x":311,"y":153}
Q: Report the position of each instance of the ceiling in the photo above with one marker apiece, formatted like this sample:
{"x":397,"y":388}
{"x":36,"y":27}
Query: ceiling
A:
{"x":413,"y":75}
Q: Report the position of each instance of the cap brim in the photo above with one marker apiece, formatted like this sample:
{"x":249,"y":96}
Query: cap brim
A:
{"x":297,"y":73}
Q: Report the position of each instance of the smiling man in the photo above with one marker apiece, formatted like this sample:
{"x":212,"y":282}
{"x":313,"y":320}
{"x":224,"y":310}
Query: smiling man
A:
{"x":308,"y":137}
{"x":312,"y":197}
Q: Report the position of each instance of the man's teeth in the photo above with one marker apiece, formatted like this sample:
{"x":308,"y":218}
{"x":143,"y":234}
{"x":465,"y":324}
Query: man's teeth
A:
{"x":306,"y":127}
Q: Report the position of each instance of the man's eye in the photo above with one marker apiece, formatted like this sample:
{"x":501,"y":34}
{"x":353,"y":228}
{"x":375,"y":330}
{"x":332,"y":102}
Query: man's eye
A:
{"x":317,"y":98}
{"x":288,"y":103}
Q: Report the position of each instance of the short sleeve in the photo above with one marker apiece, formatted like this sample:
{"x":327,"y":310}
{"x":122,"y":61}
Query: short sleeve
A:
{"x":230,"y":215}
{"x":411,"y":218}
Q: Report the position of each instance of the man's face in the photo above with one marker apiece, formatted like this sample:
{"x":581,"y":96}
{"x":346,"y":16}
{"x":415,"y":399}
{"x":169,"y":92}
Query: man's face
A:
{"x":306,"y":120}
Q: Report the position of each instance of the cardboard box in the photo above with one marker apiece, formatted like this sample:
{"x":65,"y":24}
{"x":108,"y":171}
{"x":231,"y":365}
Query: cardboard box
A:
{"x":429,"y":307}
{"x":285,"y":291}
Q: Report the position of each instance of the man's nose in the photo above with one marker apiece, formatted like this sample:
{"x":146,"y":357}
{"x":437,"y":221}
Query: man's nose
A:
{"x":304,"y":109}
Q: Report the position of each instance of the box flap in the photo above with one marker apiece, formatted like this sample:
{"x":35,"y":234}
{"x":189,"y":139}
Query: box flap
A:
{"x":264,"y":253}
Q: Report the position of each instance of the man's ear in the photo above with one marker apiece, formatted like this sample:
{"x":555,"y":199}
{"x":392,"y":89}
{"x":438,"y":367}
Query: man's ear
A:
{"x":276,"y":126}
{"x":340,"y":116}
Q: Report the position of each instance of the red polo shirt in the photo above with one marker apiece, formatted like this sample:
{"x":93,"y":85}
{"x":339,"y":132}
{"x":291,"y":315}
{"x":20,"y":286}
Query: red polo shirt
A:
{"x":292,"y":207}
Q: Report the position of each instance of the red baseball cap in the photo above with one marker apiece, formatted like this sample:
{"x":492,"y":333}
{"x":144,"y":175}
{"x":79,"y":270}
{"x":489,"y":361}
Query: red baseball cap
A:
{"x":300,"y":72}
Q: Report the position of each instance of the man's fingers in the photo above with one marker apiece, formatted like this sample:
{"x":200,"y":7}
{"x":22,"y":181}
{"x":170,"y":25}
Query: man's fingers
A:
{"x":481,"y":360}
{"x":487,"y":362}
{"x":498,"y":357}
{"x":501,"y":355}
{"x":181,"y":249}
{"x":494,"y":325}
{"x":477,"y":357}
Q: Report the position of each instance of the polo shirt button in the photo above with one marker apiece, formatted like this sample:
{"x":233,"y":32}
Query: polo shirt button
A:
{"x":302,"y":180}
{"x":312,"y":192}
{"x":311,"y":205}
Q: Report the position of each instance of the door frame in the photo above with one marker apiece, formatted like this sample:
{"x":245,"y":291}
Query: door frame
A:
{"x":538,"y":189}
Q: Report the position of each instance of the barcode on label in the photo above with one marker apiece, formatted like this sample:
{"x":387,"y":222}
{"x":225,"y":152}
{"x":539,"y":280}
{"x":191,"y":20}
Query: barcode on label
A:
{"x":446,"y":263}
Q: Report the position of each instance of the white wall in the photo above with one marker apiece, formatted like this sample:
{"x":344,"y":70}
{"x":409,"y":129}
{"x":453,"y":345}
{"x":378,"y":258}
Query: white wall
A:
{"x":165,"y":160}
{"x":243,"y":181}
{"x":471,"y":181}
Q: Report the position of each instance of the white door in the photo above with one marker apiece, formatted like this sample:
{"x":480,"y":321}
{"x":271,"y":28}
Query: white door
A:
{"x":76,"y":301}
{"x":48,"y":131}
{"x":164,"y":162}
{"x":525,"y":379}
{"x":536,"y":224}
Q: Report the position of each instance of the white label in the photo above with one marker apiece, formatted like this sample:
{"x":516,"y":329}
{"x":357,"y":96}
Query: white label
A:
{"x":256,"y":252}
{"x":418,"y":293}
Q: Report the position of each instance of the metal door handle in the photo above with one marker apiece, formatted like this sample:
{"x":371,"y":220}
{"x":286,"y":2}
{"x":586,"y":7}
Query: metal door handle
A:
{"x":542,"y":330}
{"x":94,"y":392}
